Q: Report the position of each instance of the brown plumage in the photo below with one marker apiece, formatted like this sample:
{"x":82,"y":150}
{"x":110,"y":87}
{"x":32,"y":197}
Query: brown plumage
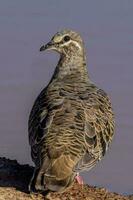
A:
{"x":71,"y":123}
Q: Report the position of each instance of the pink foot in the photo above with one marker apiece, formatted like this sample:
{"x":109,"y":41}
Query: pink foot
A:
{"x":79,"y":179}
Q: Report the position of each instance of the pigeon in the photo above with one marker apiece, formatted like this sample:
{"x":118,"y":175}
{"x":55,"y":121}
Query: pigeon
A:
{"x":71,"y":124}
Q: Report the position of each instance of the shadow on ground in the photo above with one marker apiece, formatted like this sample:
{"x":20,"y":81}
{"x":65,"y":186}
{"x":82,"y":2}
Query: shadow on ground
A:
{"x":15,"y":175}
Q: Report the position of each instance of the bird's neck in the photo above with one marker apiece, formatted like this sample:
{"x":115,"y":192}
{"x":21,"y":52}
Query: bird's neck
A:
{"x":71,"y":68}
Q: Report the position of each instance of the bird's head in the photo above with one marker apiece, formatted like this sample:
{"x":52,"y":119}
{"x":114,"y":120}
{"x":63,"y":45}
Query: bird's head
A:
{"x":65,"y":42}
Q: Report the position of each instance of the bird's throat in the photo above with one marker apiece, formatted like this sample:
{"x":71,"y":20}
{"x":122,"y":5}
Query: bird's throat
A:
{"x":71,"y":67}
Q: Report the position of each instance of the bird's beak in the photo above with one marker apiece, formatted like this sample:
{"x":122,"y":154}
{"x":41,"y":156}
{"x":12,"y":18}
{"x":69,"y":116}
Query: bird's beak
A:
{"x":49,"y":45}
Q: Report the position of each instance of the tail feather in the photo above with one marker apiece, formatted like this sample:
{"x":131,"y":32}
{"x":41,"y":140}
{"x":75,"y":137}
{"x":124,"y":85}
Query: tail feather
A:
{"x":56,"y":176}
{"x":61,"y":167}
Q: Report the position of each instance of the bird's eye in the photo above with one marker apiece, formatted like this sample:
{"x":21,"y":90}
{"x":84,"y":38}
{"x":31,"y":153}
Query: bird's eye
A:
{"x":66,"y":38}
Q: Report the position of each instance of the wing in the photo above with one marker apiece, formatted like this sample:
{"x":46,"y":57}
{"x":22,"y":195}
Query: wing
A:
{"x":40,"y":120}
{"x":98,"y":127}
{"x":37,"y":124}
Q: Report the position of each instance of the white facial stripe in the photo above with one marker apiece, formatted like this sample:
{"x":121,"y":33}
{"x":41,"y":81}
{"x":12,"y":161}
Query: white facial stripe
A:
{"x":67,"y":43}
{"x":77,"y":44}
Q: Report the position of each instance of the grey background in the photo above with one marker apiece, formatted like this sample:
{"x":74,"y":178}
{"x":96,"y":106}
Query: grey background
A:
{"x":107,"y":29}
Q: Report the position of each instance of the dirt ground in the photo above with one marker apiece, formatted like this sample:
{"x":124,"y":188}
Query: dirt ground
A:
{"x":14,"y":179}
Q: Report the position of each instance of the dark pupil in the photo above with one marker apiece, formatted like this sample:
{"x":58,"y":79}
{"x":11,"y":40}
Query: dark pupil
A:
{"x":66,"y":38}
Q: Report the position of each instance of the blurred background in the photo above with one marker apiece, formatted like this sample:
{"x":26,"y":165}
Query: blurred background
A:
{"x":107,"y":30}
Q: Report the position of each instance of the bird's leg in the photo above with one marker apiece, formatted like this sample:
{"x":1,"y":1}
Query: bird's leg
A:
{"x":79,"y":179}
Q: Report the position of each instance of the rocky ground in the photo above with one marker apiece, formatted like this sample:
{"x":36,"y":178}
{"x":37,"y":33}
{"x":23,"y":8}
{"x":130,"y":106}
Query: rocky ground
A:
{"x":14,"y":179}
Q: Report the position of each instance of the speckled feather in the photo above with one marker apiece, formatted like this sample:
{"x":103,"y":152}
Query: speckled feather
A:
{"x":71,"y":123}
